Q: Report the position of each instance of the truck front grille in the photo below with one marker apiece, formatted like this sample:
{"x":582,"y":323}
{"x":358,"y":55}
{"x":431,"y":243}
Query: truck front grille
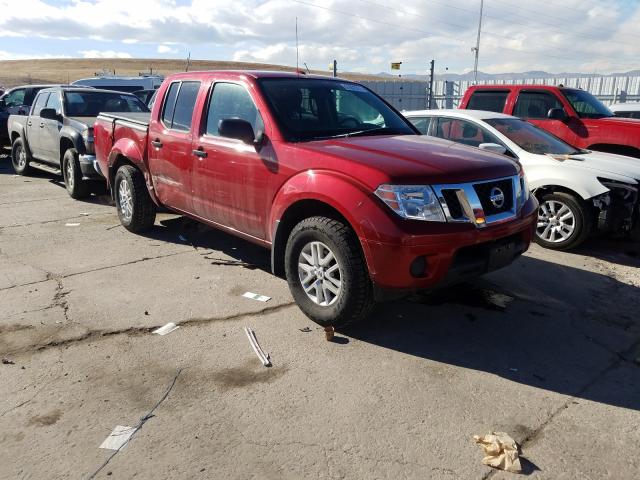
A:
{"x":481,"y":203}
{"x":484,"y":192}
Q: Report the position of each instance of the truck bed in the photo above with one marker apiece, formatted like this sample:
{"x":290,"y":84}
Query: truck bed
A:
{"x":141,"y":118}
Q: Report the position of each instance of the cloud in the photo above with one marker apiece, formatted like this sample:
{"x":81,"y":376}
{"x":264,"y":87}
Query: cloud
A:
{"x":571,"y":35}
{"x":104,"y":54}
{"x":4,"y":55}
{"x":166,"y":49}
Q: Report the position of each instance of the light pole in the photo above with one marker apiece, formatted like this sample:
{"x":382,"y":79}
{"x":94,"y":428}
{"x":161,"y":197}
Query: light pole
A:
{"x":476,"y":49}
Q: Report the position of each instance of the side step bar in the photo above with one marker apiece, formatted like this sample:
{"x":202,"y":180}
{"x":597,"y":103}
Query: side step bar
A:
{"x":45,"y":167}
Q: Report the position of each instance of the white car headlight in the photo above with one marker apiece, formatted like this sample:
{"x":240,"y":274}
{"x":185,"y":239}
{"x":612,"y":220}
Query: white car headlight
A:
{"x":415,"y":202}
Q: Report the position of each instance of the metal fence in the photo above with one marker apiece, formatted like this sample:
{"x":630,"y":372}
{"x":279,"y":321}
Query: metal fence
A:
{"x":412,"y":95}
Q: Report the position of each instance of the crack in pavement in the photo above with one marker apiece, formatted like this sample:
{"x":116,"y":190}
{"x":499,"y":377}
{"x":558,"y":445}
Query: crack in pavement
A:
{"x":16,"y":225}
{"x":35,"y":200}
{"x":135,"y":331}
{"x":68,"y":275}
{"x":532,"y":436}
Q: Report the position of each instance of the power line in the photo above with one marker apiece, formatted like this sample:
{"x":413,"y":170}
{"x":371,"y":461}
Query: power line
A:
{"x":429,"y":34}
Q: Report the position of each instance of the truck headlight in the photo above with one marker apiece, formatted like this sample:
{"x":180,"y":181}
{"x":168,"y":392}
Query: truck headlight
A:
{"x":525,"y":193}
{"x":87,"y":136}
{"x":415,"y":202}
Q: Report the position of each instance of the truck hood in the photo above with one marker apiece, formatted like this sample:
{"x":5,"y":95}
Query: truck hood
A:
{"x":80,"y":122}
{"x":607,"y":163}
{"x":613,"y":122}
{"x":416,"y":158}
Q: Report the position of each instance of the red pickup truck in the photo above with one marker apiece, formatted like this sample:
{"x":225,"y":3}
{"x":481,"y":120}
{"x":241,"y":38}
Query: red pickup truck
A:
{"x":574,"y":115}
{"x":349,"y":198}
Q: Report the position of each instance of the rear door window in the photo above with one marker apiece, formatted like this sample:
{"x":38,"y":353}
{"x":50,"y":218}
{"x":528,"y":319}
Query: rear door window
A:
{"x":170,"y":104}
{"x":489,"y":100}
{"x":463,"y":131}
{"x":41,"y":101}
{"x":535,"y":105}
{"x":422,"y":124}
{"x":185,"y":104}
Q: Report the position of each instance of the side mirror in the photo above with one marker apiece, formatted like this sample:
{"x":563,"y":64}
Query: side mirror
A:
{"x":493,"y":147}
{"x":238,"y":129}
{"x":49,"y":114}
{"x":557,"y":114}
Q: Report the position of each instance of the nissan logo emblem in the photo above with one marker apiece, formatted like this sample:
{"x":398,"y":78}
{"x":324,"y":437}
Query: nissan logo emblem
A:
{"x":497,"y":197}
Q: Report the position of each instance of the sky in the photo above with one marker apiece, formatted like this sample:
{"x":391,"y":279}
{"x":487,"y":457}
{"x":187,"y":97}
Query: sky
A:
{"x":591,"y":36}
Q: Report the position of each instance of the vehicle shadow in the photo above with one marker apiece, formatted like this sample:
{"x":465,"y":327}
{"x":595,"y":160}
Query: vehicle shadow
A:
{"x":184,"y":231}
{"x":537,"y":323}
{"x":619,"y":251}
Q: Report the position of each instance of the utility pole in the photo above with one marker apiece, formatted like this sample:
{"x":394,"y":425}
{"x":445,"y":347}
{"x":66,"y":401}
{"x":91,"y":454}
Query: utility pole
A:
{"x":188,"y":62}
{"x":431,"y":73}
{"x":477,"y":47}
{"x":335,"y":68}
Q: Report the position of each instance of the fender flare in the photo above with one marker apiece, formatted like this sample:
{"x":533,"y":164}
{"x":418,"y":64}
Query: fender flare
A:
{"x":129,"y":149}
{"x":351,"y":199}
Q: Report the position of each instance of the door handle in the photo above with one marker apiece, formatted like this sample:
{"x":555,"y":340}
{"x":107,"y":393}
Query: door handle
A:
{"x":42,"y":125}
{"x":156,"y":143}
{"x":29,"y":124}
{"x":200,"y":153}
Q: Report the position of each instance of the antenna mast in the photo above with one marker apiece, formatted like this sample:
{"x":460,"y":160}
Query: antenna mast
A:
{"x":476,"y":49}
{"x":297,"y":56}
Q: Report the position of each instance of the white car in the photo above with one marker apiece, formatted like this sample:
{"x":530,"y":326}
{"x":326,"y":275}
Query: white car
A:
{"x":580,"y":192}
{"x":627,"y":110}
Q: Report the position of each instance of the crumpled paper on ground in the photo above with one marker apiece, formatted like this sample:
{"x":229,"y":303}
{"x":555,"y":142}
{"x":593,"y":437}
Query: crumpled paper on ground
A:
{"x":501,"y":451}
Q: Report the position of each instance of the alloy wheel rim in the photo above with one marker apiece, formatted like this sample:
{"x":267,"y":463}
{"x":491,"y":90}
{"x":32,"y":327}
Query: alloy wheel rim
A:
{"x":22,"y":158}
{"x":319,"y":273}
{"x":125,"y":200}
{"x":556,"y":222}
{"x":70,"y":175}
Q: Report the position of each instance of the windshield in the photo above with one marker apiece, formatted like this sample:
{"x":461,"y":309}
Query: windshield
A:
{"x":315,"y":109}
{"x":91,"y":104}
{"x":531,"y":138}
{"x":586,"y":105}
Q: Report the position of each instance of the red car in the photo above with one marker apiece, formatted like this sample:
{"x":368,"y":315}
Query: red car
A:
{"x":574,"y":115}
{"x":346,"y":194}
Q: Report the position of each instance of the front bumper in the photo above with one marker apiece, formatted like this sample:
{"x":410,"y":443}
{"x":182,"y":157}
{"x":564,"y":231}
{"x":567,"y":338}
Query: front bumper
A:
{"x":90,"y":167}
{"x":463,"y":252}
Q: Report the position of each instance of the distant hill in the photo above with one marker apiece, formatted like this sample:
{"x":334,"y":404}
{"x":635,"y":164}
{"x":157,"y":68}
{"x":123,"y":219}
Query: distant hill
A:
{"x":19,"y":72}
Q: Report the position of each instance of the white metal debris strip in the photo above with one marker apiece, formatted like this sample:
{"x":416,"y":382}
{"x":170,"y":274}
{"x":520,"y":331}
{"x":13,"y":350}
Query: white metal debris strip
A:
{"x":118,"y":438}
{"x":256,"y":296}
{"x":264,"y":357}
{"x":168,"y":328}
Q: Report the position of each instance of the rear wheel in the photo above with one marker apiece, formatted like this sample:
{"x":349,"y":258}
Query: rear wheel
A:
{"x":326,"y":272}
{"x":564,"y":221}
{"x":76,"y":187}
{"x":136,"y":210}
{"x":20,"y":158}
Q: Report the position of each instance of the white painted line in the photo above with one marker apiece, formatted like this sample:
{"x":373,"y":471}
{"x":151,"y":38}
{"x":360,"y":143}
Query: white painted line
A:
{"x":168,"y":328}
{"x":118,"y":438}
{"x":255,"y":296}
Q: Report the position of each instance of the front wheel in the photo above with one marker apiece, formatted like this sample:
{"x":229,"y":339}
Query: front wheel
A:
{"x":76,"y":187}
{"x":564,"y":221}
{"x":136,"y":210}
{"x":20,"y":158}
{"x":326,"y":272}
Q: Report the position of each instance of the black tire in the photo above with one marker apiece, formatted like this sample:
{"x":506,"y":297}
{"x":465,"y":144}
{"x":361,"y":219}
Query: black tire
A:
{"x":77,"y":188}
{"x":20,"y":166}
{"x":355,"y":298}
{"x":582,"y":221}
{"x":142,"y":214}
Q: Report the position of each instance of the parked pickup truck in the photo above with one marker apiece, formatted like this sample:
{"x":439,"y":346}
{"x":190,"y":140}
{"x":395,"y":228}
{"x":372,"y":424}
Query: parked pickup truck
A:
{"x":16,"y":101}
{"x":574,"y":115}
{"x":343,"y":190}
{"x":57,"y":135}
